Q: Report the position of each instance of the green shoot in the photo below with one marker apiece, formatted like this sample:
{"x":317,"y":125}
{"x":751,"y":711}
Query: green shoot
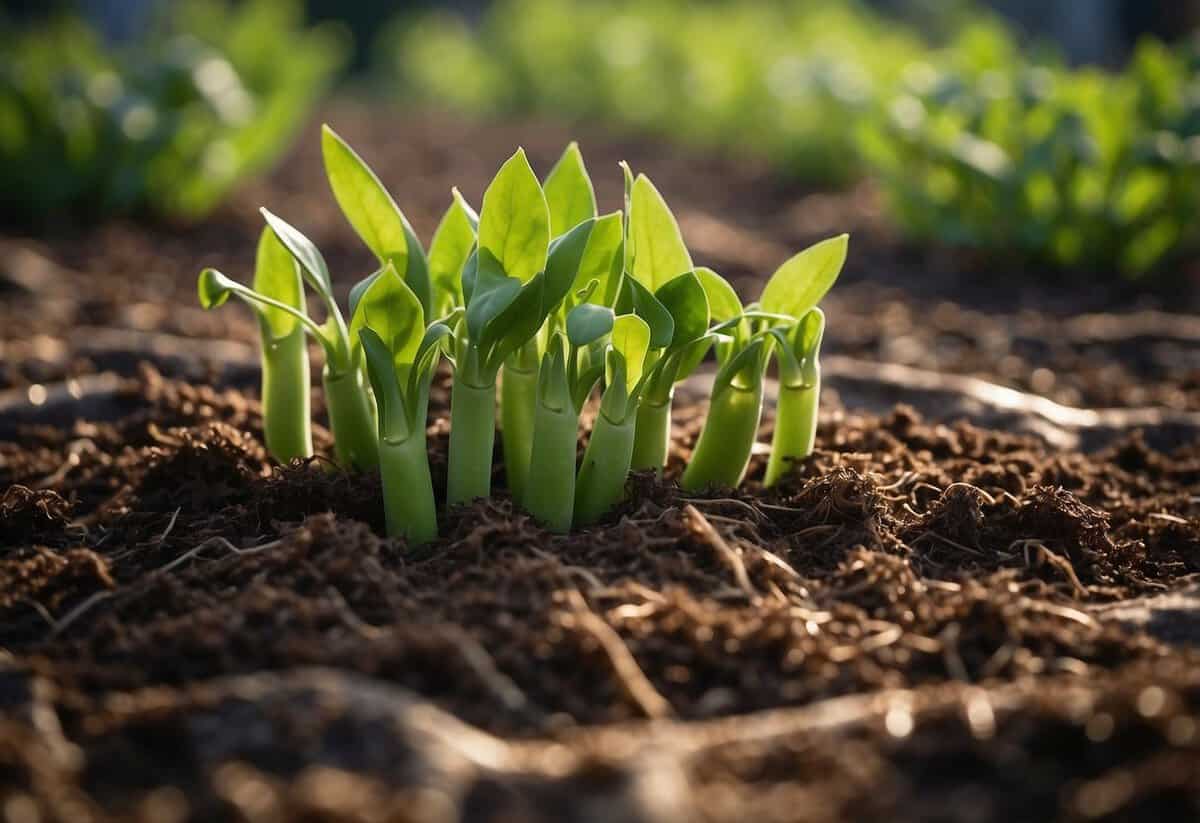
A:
{"x":664,"y":290}
{"x":571,"y":203}
{"x":400,"y":356}
{"x":723,"y":449}
{"x":570,"y":369}
{"x":504,"y":290}
{"x":278,"y":300}
{"x":606,"y":461}
{"x":798,"y":351}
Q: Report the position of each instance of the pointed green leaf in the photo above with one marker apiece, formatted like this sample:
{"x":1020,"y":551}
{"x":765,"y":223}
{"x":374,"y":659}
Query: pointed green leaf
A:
{"x":801,"y":282}
{"x":385,"y":383}
{"x":490,"y":293}
{"x":364,"y":200}
{"x":658,"y":250}
{"x":723,"y":302}
{"x":390,"y":308}
{"x":360,"y":288}
{"x":514,"y":224}
{"x":631,"y":339}
{"x":311,"y":262}
{"x":602,"y":261}
{"x":276,"y":275}
{"x":452,"y":244}
{"x":516,"y":324}
{"x":563,"y":262}
{"x":687,"y":302}
{"x":587,"y":323}
{"x":569,"y":193}
{"x":638,"y":300}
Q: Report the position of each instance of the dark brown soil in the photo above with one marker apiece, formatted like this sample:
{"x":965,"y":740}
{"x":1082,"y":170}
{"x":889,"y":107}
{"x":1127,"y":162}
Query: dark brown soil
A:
{"x":929,"y":620}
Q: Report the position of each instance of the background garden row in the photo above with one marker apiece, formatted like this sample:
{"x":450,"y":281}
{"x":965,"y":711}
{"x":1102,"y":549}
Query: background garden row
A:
{"x":974,"y":135}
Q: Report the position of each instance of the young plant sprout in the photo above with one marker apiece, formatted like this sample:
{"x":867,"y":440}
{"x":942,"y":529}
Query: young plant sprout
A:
{"x":350,"y":414}
{"x":601,"y":481}
{"x":570,"y":369}
{"x":664,"y":290}
{"x":537,"y":284}
{"x":513,"y":281}
{"x":798,"y":352}
{"x":570,"y":201}
{"x":722,"y":452}
{"x":287,"y":421}
{"x":400,"y":355}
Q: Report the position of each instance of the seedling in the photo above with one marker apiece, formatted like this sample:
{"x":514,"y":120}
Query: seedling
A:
{"x":351,"y":416}
{"x":722,"y":452}
{"x":570,"y":201}
{"x":570,"y":369}
{"x":798,"y":350}
{"x":512,"y":282}
{"x":601,"y":481}
{"x":277,"y":298}
{"x":400,"y":355}
{"x":665,"y":291}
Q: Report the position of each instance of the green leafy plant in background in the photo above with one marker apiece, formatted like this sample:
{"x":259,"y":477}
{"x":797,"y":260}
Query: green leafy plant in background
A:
{"x":214,"y":92}
{"x":781,"y":317}
{"x":1024,"y":159}
{"x":787,"y":81}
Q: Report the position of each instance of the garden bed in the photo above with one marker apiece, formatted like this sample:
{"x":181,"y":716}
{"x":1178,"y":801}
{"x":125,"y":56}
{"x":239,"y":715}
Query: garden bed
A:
{"x":976,"y":605}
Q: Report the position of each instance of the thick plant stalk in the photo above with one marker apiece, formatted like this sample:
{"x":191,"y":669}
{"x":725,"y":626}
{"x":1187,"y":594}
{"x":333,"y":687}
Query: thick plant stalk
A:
{"x":408,"y":501}
{"x":601,"y":482}
{"x":352,"y":419}
{"x":550,"y":495}
{"x":795,"y":428}
{"x":723,"y":451}
{"x":518,"y":401}
{"x":472,"y":440}
{"x":287,"y":418}
{"x":653,"y":438}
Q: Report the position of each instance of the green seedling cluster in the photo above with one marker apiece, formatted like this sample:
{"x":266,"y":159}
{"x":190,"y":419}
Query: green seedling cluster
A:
{"x":538,"y":300}
{"x":211,"y":94}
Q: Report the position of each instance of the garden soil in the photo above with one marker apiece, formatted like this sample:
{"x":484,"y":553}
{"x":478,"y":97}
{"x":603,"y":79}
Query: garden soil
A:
{"x":979,"y":600}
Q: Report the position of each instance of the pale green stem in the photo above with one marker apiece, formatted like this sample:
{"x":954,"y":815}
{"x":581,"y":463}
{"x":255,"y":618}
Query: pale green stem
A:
{"x":351,"y":419}
{"x":605,"y":469}
{"x":653,"y":438}
{"x":550,"y":494}
{"x":723,"y":451}
{"x":795,"y":428}
{"x":287,"y":419}
{"x":518,"y":400}
{"x":472,"y":440}
{"x":408,"y":501}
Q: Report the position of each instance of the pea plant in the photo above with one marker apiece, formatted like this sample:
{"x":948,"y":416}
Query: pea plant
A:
{"x":537,"y":300}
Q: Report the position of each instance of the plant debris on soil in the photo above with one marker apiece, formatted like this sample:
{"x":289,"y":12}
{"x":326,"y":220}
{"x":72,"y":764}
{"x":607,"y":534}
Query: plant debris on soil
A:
{"x":928,"y":619}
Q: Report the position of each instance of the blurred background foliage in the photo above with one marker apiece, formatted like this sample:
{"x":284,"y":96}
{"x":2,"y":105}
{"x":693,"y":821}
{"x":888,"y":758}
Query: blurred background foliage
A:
{"x":1064,"y":133}
{"x":166,"y":122}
